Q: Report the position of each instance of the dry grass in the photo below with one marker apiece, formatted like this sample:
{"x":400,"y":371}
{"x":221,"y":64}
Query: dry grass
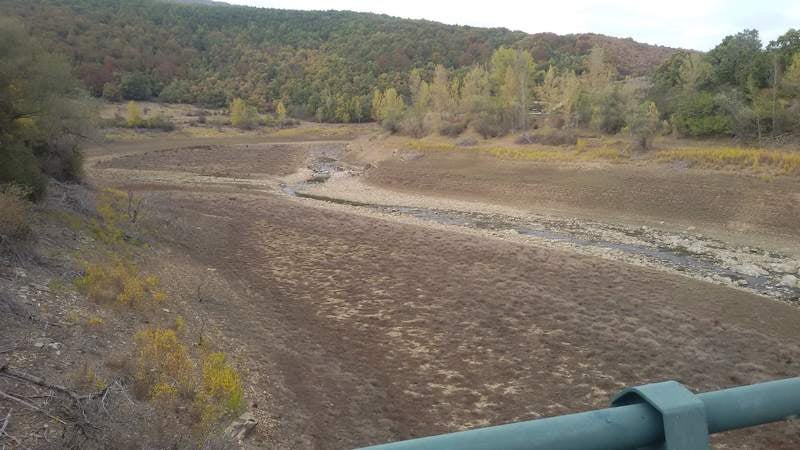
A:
{"x":14,"y":213}
{"x":333,"y":131}
{"x":579,"y":153}
{"x":780,"y":161}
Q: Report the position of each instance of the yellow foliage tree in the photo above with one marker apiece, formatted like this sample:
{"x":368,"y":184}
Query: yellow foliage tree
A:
{"x":134,"y":117}
{"x":280,"y":112}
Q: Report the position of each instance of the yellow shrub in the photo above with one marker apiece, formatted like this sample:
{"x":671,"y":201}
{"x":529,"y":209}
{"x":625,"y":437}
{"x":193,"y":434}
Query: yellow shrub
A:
{"x":162,"y":364}
{"x":94,"y":321}
{"x":111,"y":207}
{"x":221,"y":392}
{"x":121,"y":282}
{"x":180,"y":324}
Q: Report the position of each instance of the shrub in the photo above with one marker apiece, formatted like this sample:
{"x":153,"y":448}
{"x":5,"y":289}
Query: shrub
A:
{"x":121,"y":282}
{"x":163,"y":368}
{"x":452,"y":129}
{"x":491,"y":122}
{"x":14,"y":219}
{"x":159,"y":122}
{"x":20,"y":167}
{"x":702,"y":114}
{"x":221,"y":392}
{"x":549,"y":136}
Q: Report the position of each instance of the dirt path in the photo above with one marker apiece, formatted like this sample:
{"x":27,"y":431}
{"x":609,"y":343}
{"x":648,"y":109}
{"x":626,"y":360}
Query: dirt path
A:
{"x":365,"y":329}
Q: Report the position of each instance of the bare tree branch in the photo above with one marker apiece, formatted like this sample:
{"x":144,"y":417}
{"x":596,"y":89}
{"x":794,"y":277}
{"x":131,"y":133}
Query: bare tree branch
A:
{"x":31,"y":406}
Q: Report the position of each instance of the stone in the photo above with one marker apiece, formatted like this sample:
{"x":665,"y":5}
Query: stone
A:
{"x":786,"y":267}
{"x":790,"y":281}
{"x":240,"y":428}
{"x":751,"y":270}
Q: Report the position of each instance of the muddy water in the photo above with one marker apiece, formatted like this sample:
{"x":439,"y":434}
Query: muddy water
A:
{"x":691,"y":254}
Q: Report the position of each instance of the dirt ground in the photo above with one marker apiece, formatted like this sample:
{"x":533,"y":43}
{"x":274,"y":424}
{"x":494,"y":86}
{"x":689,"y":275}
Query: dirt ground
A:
{"x":354,"y":329}
{"x":735,"y":206}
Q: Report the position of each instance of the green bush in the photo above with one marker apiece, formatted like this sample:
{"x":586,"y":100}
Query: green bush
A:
{"x":701,"y":114}
{"x":18,"y":165}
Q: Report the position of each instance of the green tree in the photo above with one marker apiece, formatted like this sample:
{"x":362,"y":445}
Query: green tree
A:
{"x":136,"y":86}
{"x":44,"y":115}
{"x":739,"y":62}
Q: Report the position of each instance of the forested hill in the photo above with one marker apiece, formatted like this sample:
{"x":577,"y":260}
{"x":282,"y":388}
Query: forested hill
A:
{"x":138,"y":49}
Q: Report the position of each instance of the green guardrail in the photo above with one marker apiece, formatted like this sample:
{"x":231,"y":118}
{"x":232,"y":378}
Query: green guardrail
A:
{"x":655,"y":416}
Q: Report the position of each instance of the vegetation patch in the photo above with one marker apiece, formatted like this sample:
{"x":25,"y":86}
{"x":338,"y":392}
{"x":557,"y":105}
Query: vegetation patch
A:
{"x":163,"y":367}
{"x":783,"y":162}
{"x":15,"y":216}
{"x":121,"y":282}
{"x":221,"y":391}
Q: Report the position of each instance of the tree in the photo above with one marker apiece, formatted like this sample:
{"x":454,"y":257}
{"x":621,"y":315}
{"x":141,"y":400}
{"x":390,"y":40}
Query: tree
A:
{"x":243,"y":115}
{"x":133,"y":117}
{"x":415,"y":121}
{"x":390,"y":110}
{"x":440,"y":91}
{"x":474,"y":92}
{"x":136,"y":86}
{"x":111,"y":92}
{"x":280,"y":111}
{"x":44,"y":115}
{"x":511,"y":72}
{"x":357,"y":109}
{"x":644,"y":122}
{"x":739,"y":61}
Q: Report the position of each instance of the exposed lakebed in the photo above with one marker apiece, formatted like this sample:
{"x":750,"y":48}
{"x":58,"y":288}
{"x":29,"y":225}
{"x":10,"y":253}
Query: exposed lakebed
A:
{"x":757,"y":270}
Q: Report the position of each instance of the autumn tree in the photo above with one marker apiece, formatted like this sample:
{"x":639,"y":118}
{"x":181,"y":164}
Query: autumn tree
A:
{"x":389,"y":109}
{"x":415,"y":122}
{"x":243,"y":115}
{"x":511,"y":73}
{"x":133,"y":116}
{"x":280,"y":112}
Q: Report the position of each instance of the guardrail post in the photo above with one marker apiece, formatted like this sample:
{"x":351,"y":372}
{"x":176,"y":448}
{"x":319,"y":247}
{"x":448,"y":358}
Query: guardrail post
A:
{"x":682,"y":413}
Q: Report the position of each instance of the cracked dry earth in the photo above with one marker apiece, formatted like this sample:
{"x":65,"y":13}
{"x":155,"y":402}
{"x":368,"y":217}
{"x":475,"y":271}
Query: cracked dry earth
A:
{"x":364,"y":329}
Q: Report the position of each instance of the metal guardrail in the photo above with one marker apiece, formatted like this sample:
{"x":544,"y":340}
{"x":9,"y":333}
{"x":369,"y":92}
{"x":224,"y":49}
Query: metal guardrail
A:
{"x":660,"y":415}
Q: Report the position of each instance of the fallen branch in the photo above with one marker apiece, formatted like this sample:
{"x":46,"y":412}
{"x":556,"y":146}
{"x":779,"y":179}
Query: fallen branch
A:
{"x":5,"y":423}
{"x":10,"y":348}
{"x":31,"y":406}
{"x":5,"y":370}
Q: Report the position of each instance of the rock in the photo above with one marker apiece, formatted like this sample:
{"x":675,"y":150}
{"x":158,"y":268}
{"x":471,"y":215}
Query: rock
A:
{"x":240,"y":428}
{"x":751,"y":270}
{"x":790,"y":281}
{"x":786,"y":267}
{"x":20,"y":272}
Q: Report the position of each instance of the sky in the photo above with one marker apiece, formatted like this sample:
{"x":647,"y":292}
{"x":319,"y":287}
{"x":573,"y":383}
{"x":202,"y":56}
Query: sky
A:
{"x":693,"y":24}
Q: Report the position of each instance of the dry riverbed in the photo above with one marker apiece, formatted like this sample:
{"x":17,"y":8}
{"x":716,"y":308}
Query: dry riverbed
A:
{"x":364,"y":314}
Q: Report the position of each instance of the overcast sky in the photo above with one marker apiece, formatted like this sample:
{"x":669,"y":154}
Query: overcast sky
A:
{"x":696,"y":24}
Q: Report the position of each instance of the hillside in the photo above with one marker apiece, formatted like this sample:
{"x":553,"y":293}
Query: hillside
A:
{"x":198,"y":54}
